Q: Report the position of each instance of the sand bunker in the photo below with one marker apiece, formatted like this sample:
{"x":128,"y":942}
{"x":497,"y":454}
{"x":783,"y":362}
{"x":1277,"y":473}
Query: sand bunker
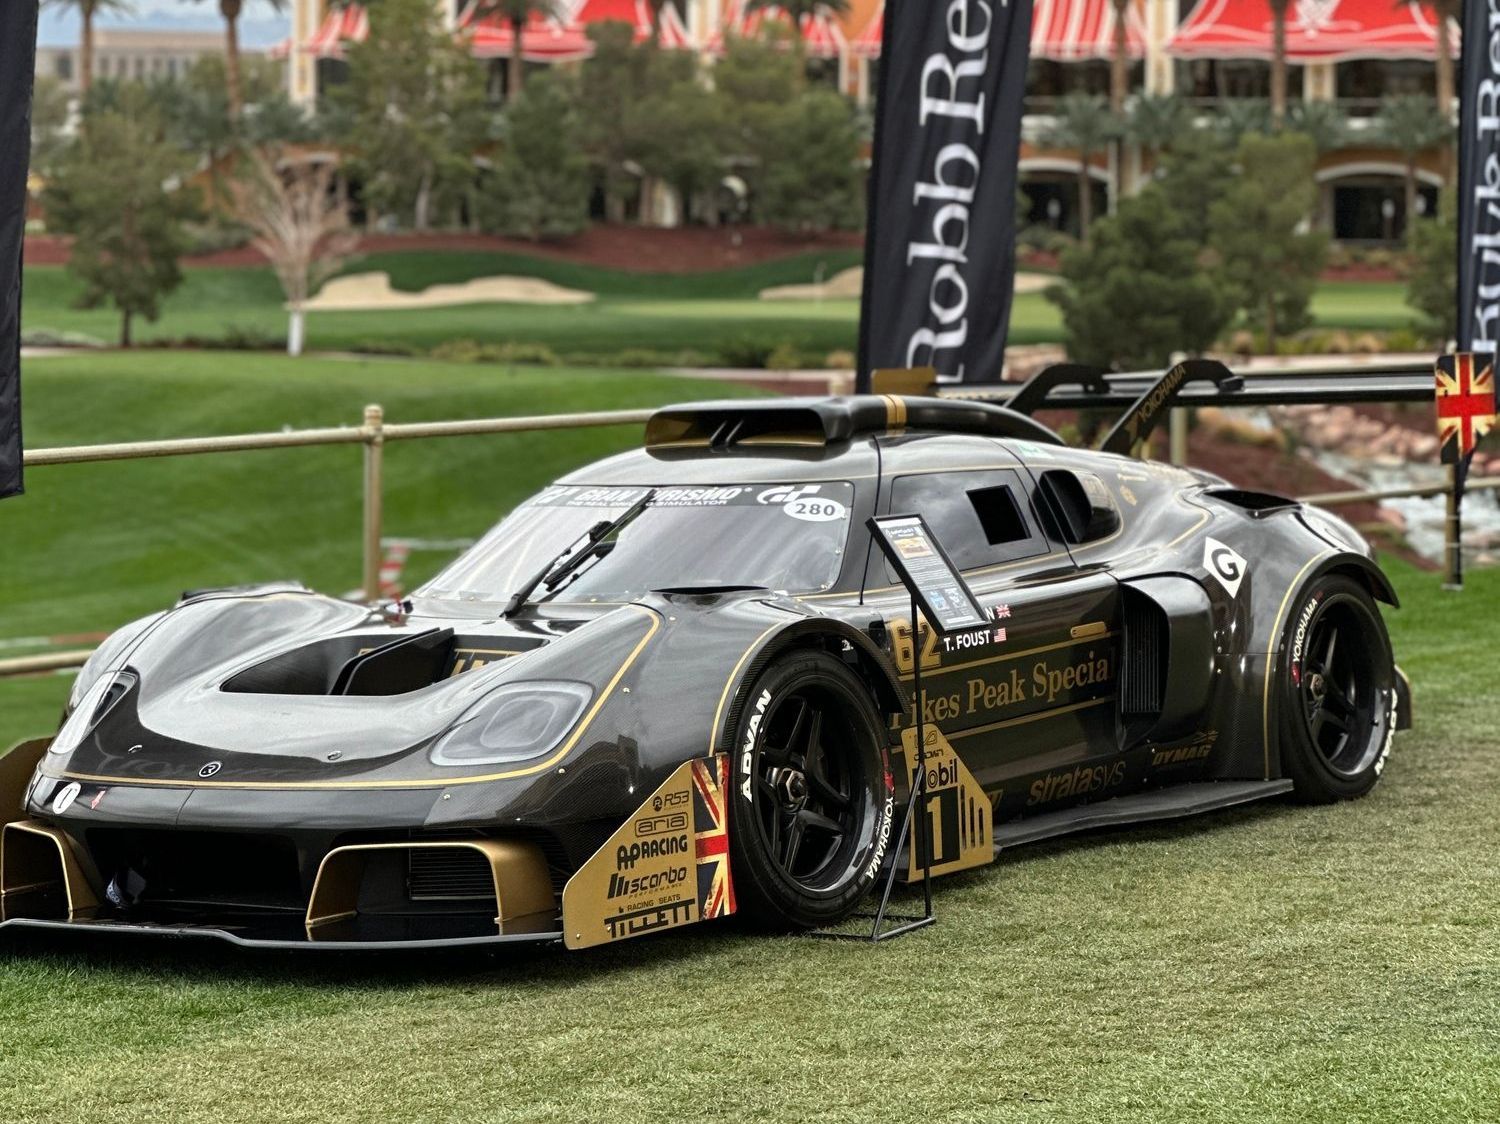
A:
{"x":365,"y":292}
{"x":848,"y":285}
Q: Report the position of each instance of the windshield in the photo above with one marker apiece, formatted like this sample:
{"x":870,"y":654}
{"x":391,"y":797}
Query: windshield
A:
{"x":787,"y":537}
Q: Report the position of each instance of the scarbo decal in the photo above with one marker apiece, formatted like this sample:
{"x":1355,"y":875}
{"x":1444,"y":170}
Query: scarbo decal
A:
{"x":1227,"y":567}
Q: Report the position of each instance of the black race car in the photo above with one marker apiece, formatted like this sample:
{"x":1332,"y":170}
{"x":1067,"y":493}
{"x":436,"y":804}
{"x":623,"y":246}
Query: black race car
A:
{"x":676,"y":685}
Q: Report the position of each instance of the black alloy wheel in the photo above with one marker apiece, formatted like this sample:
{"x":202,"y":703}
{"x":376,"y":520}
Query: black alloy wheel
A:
{"x":813,"y":801}
{"x":1340,"y":692}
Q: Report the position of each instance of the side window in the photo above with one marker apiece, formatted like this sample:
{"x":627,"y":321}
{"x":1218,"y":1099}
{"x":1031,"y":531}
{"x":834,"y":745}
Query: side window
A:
{"x":979,"y":517}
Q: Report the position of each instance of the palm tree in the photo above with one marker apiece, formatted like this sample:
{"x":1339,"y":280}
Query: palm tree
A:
{"x":800,"y":12}
{"x":1119,"y":60}
{"x":1278,"y":60}
{"x":230,"y":10}
{"x":1156,"y":120}
{"x":1083,"y":123}
{"x":87,"y":10}
{"x":1321,"y":121}
{"x":1445,"y":10}
{"x":518,"y":13}
{"x":657,"y":7}
{"x":1411,"y":124}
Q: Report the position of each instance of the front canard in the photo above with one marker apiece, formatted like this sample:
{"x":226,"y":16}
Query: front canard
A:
{"x":666,"y":866}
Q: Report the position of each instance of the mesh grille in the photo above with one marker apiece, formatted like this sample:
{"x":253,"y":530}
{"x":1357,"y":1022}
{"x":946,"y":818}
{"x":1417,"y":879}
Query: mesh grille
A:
{"x":447,"y":874}
{"x":1143,"y":676}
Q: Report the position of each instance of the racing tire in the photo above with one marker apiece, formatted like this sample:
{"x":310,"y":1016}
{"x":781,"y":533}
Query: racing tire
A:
{"x":813,"y":798}
{"x":1338,"y":692}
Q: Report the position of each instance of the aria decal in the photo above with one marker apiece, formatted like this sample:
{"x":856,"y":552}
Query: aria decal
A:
{"x":1225,"y":565}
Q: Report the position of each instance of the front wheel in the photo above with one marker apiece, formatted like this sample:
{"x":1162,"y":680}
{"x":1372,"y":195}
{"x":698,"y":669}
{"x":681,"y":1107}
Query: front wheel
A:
{"x":1338,"y":693}
{"x":814,"y":799}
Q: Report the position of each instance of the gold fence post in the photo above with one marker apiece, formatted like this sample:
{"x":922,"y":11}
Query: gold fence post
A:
{"x":1453,"y":535}
{"x":374,"y":430}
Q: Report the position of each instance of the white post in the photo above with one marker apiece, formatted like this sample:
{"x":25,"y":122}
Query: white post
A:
{"x":296,"y":332}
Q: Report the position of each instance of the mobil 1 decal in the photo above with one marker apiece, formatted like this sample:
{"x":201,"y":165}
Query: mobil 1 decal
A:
{"x":959,"y":820}
{"x":667,"y":864}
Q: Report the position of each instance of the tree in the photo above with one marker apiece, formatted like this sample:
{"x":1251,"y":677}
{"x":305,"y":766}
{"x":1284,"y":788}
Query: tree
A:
{"x":1084,"y":124}
{"x":1411,"y":124}
{"x":87,"y":11}
{"x":800,"y":13}
{"x":109,"y":192}
{"x":230,"y":10}
{"x":416,"y":103}
{"x":540,"y":185}
{"x":300,"y":223}
{"x":1278,"y":60}
{"x":1134,"y":292}
{"x":518,"y":13}
{"x":1323,"y":122}
{"x":1238,"y":117}
{"x":1445,"y":11}
{"x":1432,"y":288}
{"x":1194,"y":174}
{"x":49,"y":123}
{"x":814,"y":182}
{"x":1258,"y":230}
{"x":1119,"y":60}
{"x":1158,"y":121}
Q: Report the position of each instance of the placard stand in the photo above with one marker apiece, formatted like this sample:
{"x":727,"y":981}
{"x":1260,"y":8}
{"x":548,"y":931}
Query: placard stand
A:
{"x":940,"y":596}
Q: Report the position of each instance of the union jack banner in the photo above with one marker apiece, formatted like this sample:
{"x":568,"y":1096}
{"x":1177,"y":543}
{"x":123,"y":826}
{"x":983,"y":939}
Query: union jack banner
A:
{"x":1465,"y":405}
{"x":711,"y":834}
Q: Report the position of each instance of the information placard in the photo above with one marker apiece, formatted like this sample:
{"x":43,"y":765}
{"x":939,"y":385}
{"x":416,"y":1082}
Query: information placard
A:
{"x":925,"y":568}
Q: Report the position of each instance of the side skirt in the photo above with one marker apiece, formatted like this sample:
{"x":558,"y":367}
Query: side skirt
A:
{"x":1173,"y":803}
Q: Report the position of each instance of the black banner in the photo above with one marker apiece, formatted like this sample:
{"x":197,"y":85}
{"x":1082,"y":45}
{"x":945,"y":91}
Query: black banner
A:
{"x":17,"y":65}
{"x":940,"y":251}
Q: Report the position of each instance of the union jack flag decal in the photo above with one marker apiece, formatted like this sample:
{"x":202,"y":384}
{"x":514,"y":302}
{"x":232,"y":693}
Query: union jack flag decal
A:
{"x":1465,"y":405}
{"x":711,"y":834}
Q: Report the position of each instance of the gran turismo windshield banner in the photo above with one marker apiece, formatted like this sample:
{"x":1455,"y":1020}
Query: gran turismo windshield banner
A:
{"x":17,"y":63}
{"x":940,"y":249}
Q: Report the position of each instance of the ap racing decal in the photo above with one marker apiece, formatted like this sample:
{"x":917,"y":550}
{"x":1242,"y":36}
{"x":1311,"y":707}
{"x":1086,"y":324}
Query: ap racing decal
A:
{"x":1225,"y":566}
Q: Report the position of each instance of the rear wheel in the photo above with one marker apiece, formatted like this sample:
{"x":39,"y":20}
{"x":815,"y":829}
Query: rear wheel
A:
{"x":813,"y":794}
{"x":1338,"y":693}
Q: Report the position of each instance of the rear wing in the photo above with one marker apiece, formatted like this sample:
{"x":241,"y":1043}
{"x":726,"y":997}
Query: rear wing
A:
{"x":1146,"y":396}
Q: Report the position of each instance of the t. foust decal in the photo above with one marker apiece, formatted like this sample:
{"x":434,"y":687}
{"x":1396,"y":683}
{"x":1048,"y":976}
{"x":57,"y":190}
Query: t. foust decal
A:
{"x":1227,"y":567}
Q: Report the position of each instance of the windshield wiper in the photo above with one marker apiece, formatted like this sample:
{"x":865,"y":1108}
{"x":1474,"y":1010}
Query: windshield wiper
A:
{"x":569,"y":561}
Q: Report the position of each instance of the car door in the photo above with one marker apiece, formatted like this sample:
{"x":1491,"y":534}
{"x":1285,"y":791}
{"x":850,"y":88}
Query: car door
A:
{"x":1029,"y":702}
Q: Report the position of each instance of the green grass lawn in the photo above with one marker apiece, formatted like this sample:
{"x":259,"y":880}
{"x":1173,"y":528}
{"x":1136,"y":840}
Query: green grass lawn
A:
{"x":714,"y":317}
{"x":1271,"y":963}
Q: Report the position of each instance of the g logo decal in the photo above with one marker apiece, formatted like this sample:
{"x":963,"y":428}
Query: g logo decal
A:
{"x":1227,"y":567}
{"x":210,"y":769}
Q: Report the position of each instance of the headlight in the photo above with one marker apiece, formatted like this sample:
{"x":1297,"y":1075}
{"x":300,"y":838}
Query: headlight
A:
{"x":90,"y":709}
{"x":516,"y":722}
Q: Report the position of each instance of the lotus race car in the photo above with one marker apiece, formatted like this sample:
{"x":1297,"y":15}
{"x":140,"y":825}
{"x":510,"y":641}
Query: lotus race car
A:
{"x":676,"y":686}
